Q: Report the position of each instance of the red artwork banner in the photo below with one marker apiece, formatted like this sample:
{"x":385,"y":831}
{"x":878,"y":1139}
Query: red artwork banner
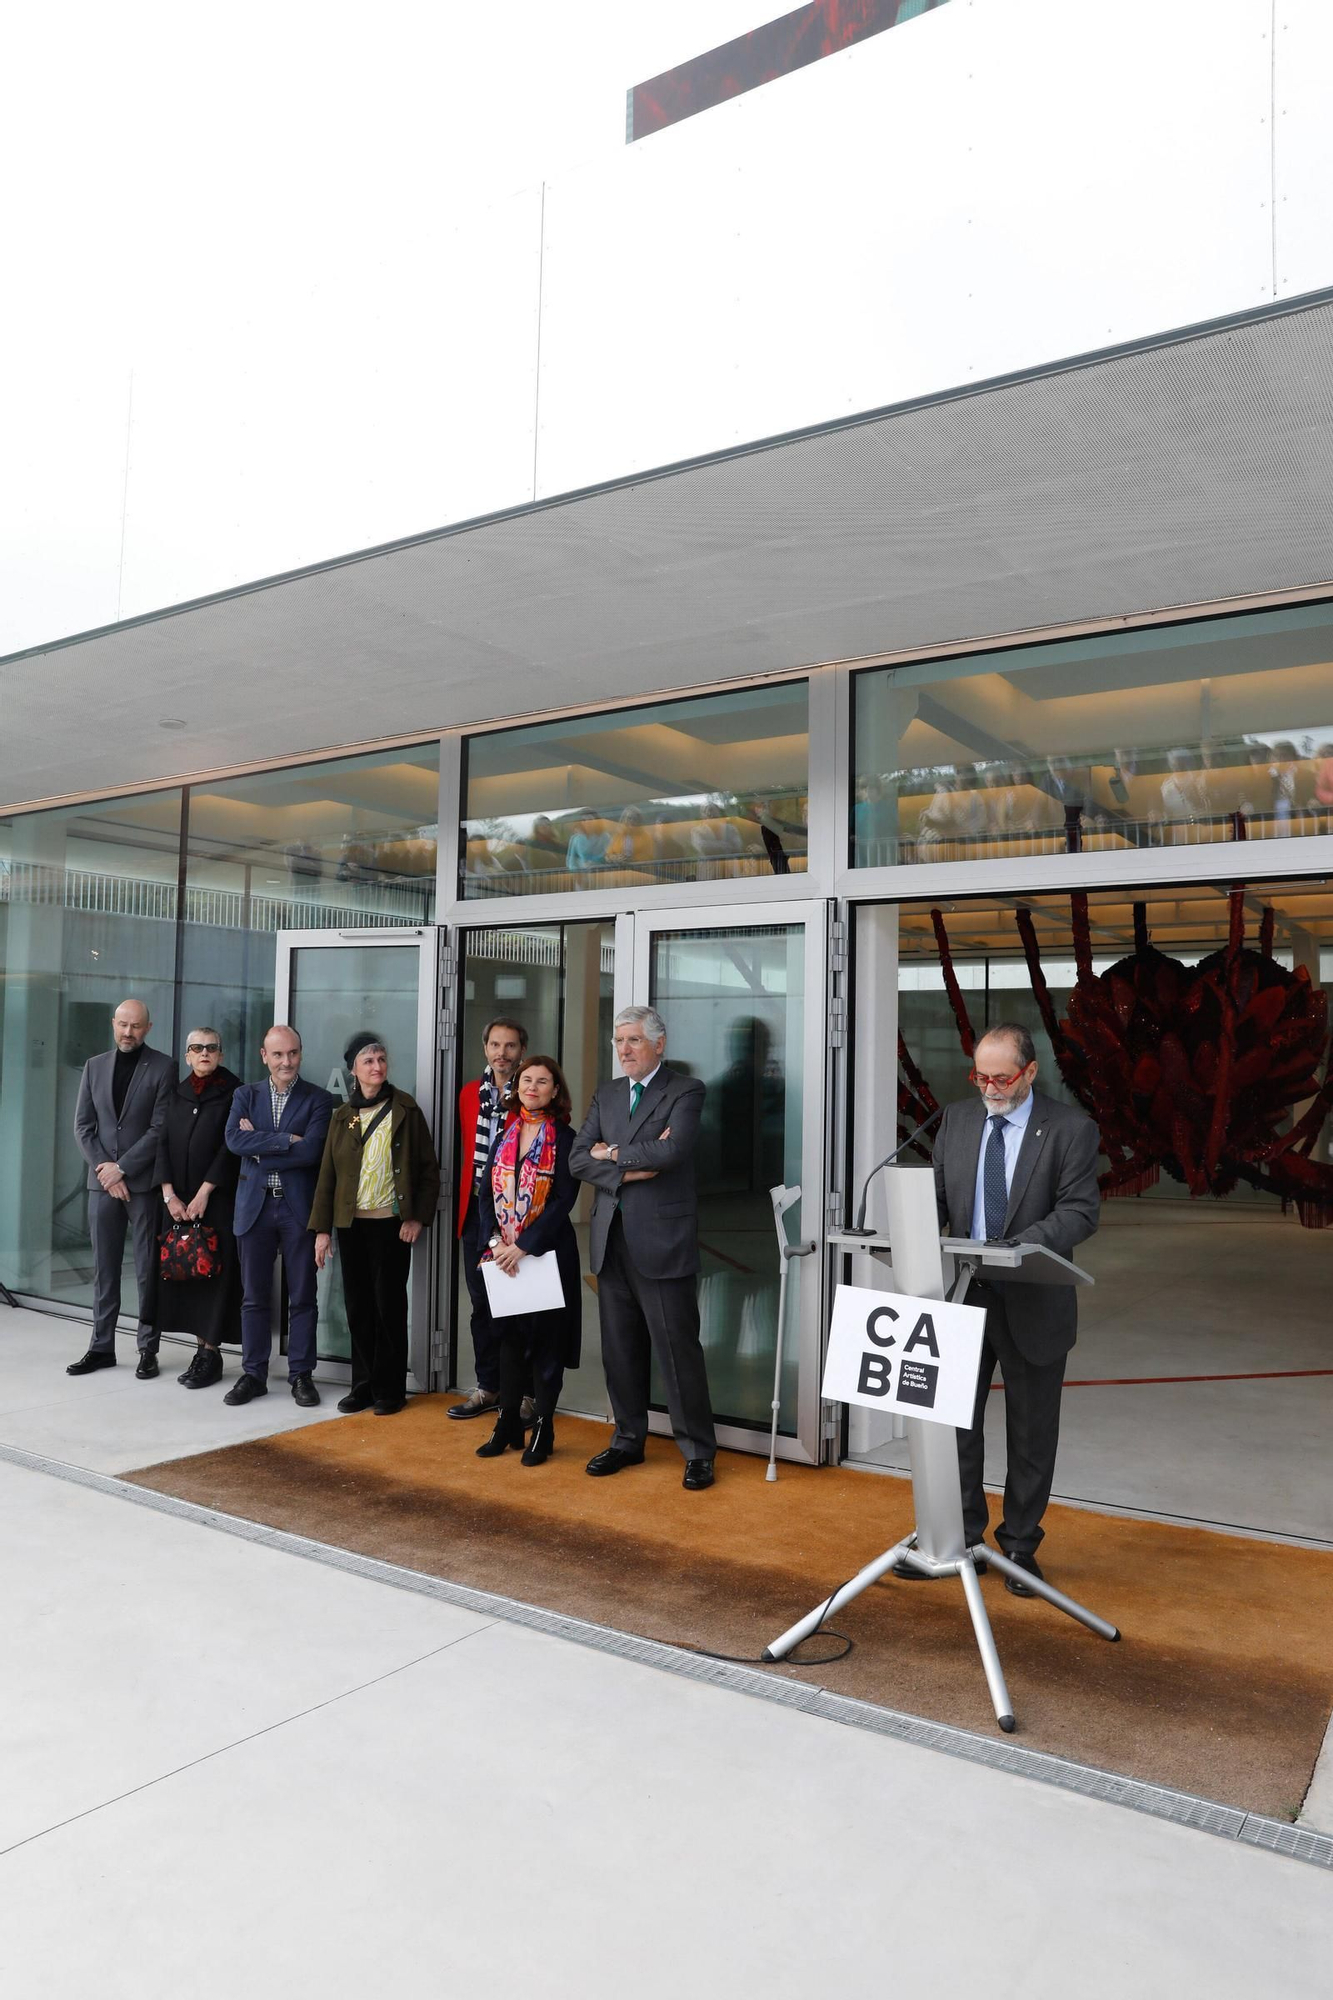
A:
{"x":804,"y":36}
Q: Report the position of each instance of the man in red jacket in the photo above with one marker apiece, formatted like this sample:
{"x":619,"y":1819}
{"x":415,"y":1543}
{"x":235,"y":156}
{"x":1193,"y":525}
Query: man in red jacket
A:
{"x":480,"y":1121}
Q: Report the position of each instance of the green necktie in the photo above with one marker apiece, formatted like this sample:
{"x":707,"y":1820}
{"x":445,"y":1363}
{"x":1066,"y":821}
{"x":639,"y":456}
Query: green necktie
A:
{"x":635,"y":1093}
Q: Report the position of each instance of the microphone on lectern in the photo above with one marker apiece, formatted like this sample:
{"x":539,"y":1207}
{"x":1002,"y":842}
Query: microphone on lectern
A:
{"x":859,"y":1227}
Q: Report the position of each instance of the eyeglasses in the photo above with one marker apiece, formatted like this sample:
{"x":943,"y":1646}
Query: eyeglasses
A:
{"x":203,"y":1048}
{"x":1000,"y":1082}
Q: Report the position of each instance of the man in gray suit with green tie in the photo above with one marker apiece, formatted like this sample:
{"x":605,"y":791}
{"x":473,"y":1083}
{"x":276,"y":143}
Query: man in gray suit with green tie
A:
{"x":636,"y":1147}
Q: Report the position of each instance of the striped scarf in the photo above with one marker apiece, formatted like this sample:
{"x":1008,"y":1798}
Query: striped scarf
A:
{"x":522,"y":1173}
{"x":488,"y":1104}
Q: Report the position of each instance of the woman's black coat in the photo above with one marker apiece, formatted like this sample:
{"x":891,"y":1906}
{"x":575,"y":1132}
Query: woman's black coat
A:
{"x":191,"y":1149}
{"x":553,"y":1229}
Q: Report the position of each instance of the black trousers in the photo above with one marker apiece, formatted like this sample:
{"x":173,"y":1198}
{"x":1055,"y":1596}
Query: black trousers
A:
{"x":485,"y":1334}
{"x":641,"y":1317}
{"x":375,"y":1264}
{"x":1032,"y":1433}
{"x":531,"y":1360}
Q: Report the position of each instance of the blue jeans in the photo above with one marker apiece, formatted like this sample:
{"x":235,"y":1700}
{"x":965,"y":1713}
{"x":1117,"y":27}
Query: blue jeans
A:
{"x":277,"y":1227}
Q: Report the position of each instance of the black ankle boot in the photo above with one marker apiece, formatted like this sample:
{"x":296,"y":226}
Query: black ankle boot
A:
{"x":187,"y":1379}
{"x":542,"y":1442}
{"x":508,"y":1430}
{"x":207,"y":1369}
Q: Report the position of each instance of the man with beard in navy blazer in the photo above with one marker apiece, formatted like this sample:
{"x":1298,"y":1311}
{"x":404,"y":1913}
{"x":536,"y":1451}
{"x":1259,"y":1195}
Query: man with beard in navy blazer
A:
{"x":278,"y":1128}
{"x":1014,"y":1164}
{"x":636,"y":1147}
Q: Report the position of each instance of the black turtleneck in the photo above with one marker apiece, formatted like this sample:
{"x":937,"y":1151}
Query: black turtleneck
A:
{"x":126,"y":1060}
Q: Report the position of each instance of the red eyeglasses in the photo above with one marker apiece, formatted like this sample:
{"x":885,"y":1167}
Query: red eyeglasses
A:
{"x":1000,"y":1082}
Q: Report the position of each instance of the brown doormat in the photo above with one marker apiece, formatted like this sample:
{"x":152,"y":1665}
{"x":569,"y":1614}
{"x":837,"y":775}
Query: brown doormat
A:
{"x":1221,"y":1685}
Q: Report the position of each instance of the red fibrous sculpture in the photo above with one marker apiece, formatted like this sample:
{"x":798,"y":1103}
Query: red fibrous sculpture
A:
{"x":1189,"y":1070}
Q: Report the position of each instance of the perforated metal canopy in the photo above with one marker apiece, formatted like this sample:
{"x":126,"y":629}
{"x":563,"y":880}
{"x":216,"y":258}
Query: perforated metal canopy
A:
{"x":1188,"y":470}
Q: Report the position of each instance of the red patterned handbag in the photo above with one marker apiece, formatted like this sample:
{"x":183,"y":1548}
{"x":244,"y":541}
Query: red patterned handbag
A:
{"x":189,"y":1250}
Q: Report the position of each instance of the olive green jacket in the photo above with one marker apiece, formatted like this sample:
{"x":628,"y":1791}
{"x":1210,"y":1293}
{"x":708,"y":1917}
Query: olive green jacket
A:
{"x":416,"y":1171}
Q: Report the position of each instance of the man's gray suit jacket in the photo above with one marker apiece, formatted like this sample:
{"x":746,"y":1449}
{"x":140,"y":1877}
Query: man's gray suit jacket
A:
{"x":1053,"y":1200}
{"x":660,"y":1217}
{"x":131,"y":1139}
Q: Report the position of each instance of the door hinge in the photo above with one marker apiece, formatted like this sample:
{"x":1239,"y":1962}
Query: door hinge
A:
{"x":837,"y":947}
{"x":837,"y":1024}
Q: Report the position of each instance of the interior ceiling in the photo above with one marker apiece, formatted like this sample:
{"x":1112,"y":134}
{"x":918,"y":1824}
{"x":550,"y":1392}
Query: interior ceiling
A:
{"x":1187,"y":471}
{"x":1197,"y":917}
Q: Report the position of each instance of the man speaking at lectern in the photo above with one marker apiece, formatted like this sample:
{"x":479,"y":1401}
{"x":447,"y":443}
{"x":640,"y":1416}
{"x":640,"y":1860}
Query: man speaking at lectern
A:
{"x":1017,"y":1165}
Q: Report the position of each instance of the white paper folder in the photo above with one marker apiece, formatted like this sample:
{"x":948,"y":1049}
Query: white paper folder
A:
{"x":534,"y":1288}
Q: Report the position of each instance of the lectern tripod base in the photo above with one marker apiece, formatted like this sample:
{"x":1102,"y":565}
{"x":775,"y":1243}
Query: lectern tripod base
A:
{"x":964,"y":1568}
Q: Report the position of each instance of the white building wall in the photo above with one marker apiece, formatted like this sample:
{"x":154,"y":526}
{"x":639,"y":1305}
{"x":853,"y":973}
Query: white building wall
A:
{"x":994,"y":186}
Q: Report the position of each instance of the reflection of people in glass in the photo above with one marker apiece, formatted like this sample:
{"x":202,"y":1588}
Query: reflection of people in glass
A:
{"x":526,"y":1198}
{"x":1014,"y":802}
{"x":715,"y":840}
{"x":631,"y":844}
{"x":1185,"y":793}
{"x":545,"y":847}
{"x":1284,"y":771}
{"x":770,"y":835}
{"x":874,"y":823}
{"x":379,"y":1187}
{"x":1323,"y":776}
{"x":746,"y":1107}
{"x":587,"y":847}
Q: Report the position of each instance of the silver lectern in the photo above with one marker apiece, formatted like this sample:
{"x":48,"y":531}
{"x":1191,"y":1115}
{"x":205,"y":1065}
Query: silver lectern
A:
{"x":936,"y":1546}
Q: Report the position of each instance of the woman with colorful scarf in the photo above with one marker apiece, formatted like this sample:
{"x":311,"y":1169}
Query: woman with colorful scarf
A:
{"x":526,"y":1201}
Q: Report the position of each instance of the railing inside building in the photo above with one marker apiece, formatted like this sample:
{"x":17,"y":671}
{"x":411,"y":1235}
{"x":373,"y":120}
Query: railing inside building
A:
{"x":376,"y":904}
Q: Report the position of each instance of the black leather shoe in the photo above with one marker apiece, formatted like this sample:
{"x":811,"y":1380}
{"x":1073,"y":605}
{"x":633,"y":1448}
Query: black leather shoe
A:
{"x":385,"y":1406}
{"x":187,"y":1375}
{"x":698,"y":1475}
{"x":612,"y":1460}
{"x":147,"y":1365}
{"x":480,"y":1403}
{"x":1012,"y":1583}
{"x":906,"y":1574}
{"x":87,"y":1363}
{"x":207,"y":1369}
{"x":542,"y":1442}
{"x":354,"y":1400}
{"x":304,"y":1392}
{"x":246,"y":1390}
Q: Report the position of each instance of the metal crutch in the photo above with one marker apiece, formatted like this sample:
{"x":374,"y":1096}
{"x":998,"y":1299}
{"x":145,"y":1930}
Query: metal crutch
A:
{"x":782,"y":1199}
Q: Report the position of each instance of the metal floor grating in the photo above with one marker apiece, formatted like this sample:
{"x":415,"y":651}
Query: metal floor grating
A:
{"x":1181,"y":1808}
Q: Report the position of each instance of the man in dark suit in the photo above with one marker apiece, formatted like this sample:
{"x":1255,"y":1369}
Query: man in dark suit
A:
{"x":278,"y":1129}
{"x":636,"y":1147}
{"x":122,"y":1104}
{"x":1017,"y":1165}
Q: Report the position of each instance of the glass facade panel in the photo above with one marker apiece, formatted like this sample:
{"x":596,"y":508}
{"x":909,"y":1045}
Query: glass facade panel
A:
{"x":1217,"y":730}
{"x":87,"y":918}
{"x":347,"y":845}
{"x":558,"y":980}
{"x":734,"y":1005}
{"x":680,"y":791}
{"x":1138,"y":1041}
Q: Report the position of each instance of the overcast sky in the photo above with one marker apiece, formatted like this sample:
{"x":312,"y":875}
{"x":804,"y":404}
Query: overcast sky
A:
{"x":184,"y":183}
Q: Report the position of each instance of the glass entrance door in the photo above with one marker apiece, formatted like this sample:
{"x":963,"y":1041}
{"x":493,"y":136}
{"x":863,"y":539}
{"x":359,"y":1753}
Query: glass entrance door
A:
{"x":328,"y":986}
{"x":743,"y":1003}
